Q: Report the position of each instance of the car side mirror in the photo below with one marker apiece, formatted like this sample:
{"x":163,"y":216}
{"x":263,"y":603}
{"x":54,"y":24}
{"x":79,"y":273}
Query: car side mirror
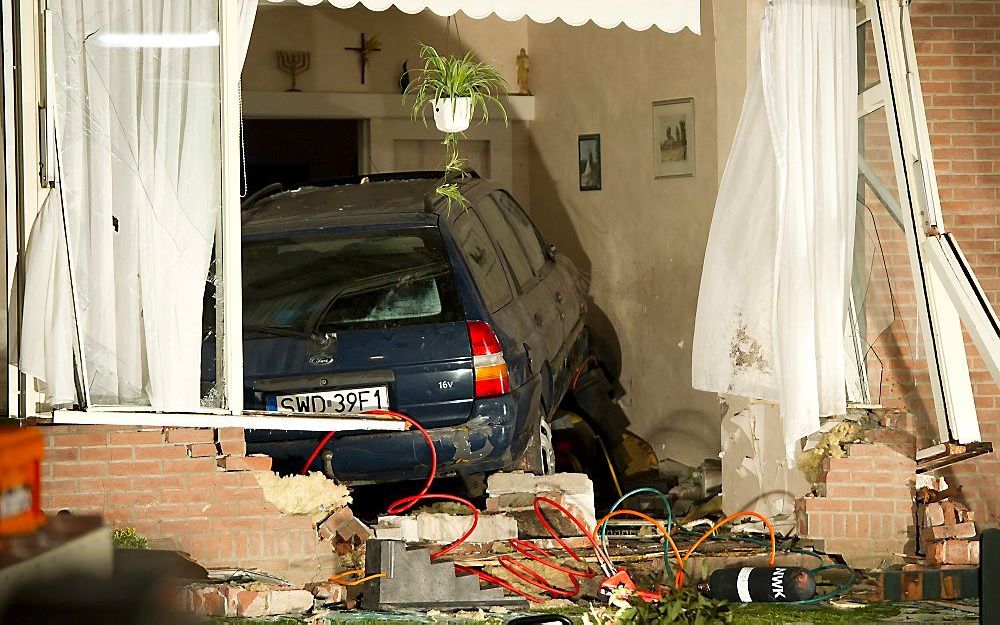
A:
{"x":551,"y":251}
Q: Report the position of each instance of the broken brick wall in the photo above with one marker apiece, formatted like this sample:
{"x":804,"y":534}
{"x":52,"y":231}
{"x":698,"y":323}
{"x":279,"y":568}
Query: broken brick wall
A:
{"x":958,"y":52}
{"x":168,"y":484}
{"x":863,"y":508}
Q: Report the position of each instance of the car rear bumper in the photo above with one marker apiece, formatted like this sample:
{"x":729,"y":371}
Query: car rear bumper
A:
{"x":489,"y":441}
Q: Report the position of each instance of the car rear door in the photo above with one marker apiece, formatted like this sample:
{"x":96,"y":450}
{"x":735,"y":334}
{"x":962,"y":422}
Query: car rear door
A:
{"x":350,"y":319}
{"x":555,"y":276}
{"x":528,"y":272}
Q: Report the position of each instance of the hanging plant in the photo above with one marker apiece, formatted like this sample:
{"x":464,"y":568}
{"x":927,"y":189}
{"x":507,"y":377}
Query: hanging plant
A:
{"x":458,"y":90}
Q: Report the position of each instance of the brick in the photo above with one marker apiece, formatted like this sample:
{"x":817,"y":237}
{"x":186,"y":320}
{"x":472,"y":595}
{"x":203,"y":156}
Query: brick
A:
{"x":160,"y":452}
{"x":328,"y":593}
{"x":188,"y":465}
{"x":245,"y":463}
{"x":959,"y":530}
{"x":89,"y":439}
{"x":202,"y":450}
{"x":233,"y":447}
{"x":134,"y":468}
{"x":146,"y":437}
{"x":247,"y":603}
{"x":229,"y":434}
{"x":932,"y":515}
{"x":184,"y":436}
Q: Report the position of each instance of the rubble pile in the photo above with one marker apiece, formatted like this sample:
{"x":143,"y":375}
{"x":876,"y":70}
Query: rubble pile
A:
{"x":947,"y":531}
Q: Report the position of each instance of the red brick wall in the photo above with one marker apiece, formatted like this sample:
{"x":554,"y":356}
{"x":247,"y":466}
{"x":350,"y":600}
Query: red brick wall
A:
{"x":168,"y":484}
{"x":958,"y":49}
{"x":864,"y":510}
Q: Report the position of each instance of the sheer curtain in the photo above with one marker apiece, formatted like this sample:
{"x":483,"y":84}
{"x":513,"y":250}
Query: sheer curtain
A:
{"x":138,"y":144}
{"x":771,"y":310}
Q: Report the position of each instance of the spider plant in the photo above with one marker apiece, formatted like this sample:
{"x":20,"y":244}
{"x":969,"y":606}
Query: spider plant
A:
{"x":450,"y":77}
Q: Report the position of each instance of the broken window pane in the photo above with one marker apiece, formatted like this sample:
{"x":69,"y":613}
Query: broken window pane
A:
{"x":868,"y":75}
{"x":139,"y":167}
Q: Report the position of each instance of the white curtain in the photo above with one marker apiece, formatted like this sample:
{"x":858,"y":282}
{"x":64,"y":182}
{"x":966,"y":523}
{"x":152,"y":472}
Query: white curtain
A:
{"x":771,"y":311}
{"x":138,"y":135}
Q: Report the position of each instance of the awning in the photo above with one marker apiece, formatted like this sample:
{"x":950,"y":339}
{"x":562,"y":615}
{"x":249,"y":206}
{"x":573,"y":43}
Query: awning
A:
{"x":668,"y":15}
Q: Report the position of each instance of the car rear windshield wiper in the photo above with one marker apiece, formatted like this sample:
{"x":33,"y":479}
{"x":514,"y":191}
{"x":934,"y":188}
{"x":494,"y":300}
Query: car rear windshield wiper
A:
{"x":282,"y":331}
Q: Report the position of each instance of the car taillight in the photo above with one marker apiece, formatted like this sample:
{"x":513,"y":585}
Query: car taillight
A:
{"x":491,"y":375}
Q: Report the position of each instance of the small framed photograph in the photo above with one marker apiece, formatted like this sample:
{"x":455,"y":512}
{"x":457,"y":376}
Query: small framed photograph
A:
{"x":673,"y":138}
{"x":590,"y":162}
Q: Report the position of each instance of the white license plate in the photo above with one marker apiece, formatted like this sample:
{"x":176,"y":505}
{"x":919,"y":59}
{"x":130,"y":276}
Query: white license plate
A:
{"x":340,"y":401}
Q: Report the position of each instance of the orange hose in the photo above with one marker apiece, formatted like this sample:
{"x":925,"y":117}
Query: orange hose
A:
{"x":659,"y":526}
{"x":682,"y":560}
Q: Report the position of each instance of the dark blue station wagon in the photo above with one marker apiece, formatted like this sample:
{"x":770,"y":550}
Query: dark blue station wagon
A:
{"x":381,"y":295}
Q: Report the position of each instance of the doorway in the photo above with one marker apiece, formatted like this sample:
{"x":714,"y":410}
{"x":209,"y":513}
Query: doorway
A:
{"x":297,"y":151}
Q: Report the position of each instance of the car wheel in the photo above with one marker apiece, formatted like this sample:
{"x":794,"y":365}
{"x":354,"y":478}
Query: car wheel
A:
{"x":540,"y":455}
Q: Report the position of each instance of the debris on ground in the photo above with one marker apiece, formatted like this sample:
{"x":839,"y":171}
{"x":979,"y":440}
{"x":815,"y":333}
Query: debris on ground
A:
{"x":947,"y":532}
{"x":303,"y":494}
{"x":345,"y":530}
{"x":255,"y":599}
{"x":409,"y":579}
{"x":445,"y":528}
{"x":515,"y":493}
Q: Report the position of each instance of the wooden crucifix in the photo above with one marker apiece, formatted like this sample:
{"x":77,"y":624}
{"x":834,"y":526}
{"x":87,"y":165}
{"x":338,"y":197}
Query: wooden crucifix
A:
{"x":365,"y":50}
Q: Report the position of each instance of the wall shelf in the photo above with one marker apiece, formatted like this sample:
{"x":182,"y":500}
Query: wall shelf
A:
{"x":336,"y":105}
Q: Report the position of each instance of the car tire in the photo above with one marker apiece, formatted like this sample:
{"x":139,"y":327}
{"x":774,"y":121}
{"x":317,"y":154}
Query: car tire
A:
{"x":539,"y":455}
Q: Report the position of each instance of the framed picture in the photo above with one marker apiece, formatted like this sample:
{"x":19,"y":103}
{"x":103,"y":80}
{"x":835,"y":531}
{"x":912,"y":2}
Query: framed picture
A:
{"x":673,"y":138}
{"x":589,"y":148}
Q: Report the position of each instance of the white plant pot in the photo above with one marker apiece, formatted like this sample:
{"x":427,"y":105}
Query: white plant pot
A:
{"x":453,"y":114}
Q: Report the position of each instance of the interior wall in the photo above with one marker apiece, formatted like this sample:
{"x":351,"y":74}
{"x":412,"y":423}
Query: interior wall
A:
{"x":325,"y":31}
{"x":640,"y":240}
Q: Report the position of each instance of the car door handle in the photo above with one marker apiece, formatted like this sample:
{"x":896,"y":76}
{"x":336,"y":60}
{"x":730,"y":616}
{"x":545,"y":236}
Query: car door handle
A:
{"x":558,"y":297}
{"x":538,"y":319}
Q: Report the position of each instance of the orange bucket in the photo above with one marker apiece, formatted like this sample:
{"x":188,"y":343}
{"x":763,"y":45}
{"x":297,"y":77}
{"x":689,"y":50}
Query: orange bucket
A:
{"x":20,"y":480}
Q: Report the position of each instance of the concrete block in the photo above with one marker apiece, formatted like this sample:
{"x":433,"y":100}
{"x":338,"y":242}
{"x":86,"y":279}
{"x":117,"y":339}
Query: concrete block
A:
{"x":520,"y":482}
{"x":281,"y":602}
{"x":413,"y":581}
{"x":445,"y":528}
{"x":402,"y":528}
{"x":574,"y":491}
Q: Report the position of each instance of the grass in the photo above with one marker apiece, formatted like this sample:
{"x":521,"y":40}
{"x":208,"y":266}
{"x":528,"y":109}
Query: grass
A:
{"x":752,"y":614}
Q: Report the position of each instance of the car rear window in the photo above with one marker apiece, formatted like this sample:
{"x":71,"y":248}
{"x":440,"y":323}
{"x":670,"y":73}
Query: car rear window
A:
{"x":323,"y":281}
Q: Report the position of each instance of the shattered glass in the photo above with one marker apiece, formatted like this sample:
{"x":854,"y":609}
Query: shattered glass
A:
{"x":882,"y":282}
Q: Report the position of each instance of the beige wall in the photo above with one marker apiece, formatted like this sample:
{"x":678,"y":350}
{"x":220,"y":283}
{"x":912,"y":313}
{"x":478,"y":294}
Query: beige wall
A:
{"x":641,"y":240}
{"x":325,"y":31}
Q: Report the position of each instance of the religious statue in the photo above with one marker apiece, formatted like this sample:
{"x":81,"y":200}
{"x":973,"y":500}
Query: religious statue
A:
{"x":523,"y":69}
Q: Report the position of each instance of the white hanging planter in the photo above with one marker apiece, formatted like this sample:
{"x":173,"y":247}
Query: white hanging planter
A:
{"x":453,"y":114}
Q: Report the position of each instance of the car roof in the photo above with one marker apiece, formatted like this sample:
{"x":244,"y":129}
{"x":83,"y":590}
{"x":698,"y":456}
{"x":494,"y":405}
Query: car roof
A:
{"x":406,"y":197}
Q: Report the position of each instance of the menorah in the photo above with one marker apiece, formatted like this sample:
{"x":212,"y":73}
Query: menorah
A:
{"x":293,"y":63}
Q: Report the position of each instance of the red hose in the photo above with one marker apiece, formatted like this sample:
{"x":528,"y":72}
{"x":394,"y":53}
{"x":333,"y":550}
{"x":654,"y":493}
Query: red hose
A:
{"x":527,"y":549}
{"x":315,"y":452}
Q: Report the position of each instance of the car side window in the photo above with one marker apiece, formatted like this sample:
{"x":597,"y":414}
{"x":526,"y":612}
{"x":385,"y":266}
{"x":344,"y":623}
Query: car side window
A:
{"x":483,"y":261}
{"x":508,"y":245}
{"x":525,"y":230}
